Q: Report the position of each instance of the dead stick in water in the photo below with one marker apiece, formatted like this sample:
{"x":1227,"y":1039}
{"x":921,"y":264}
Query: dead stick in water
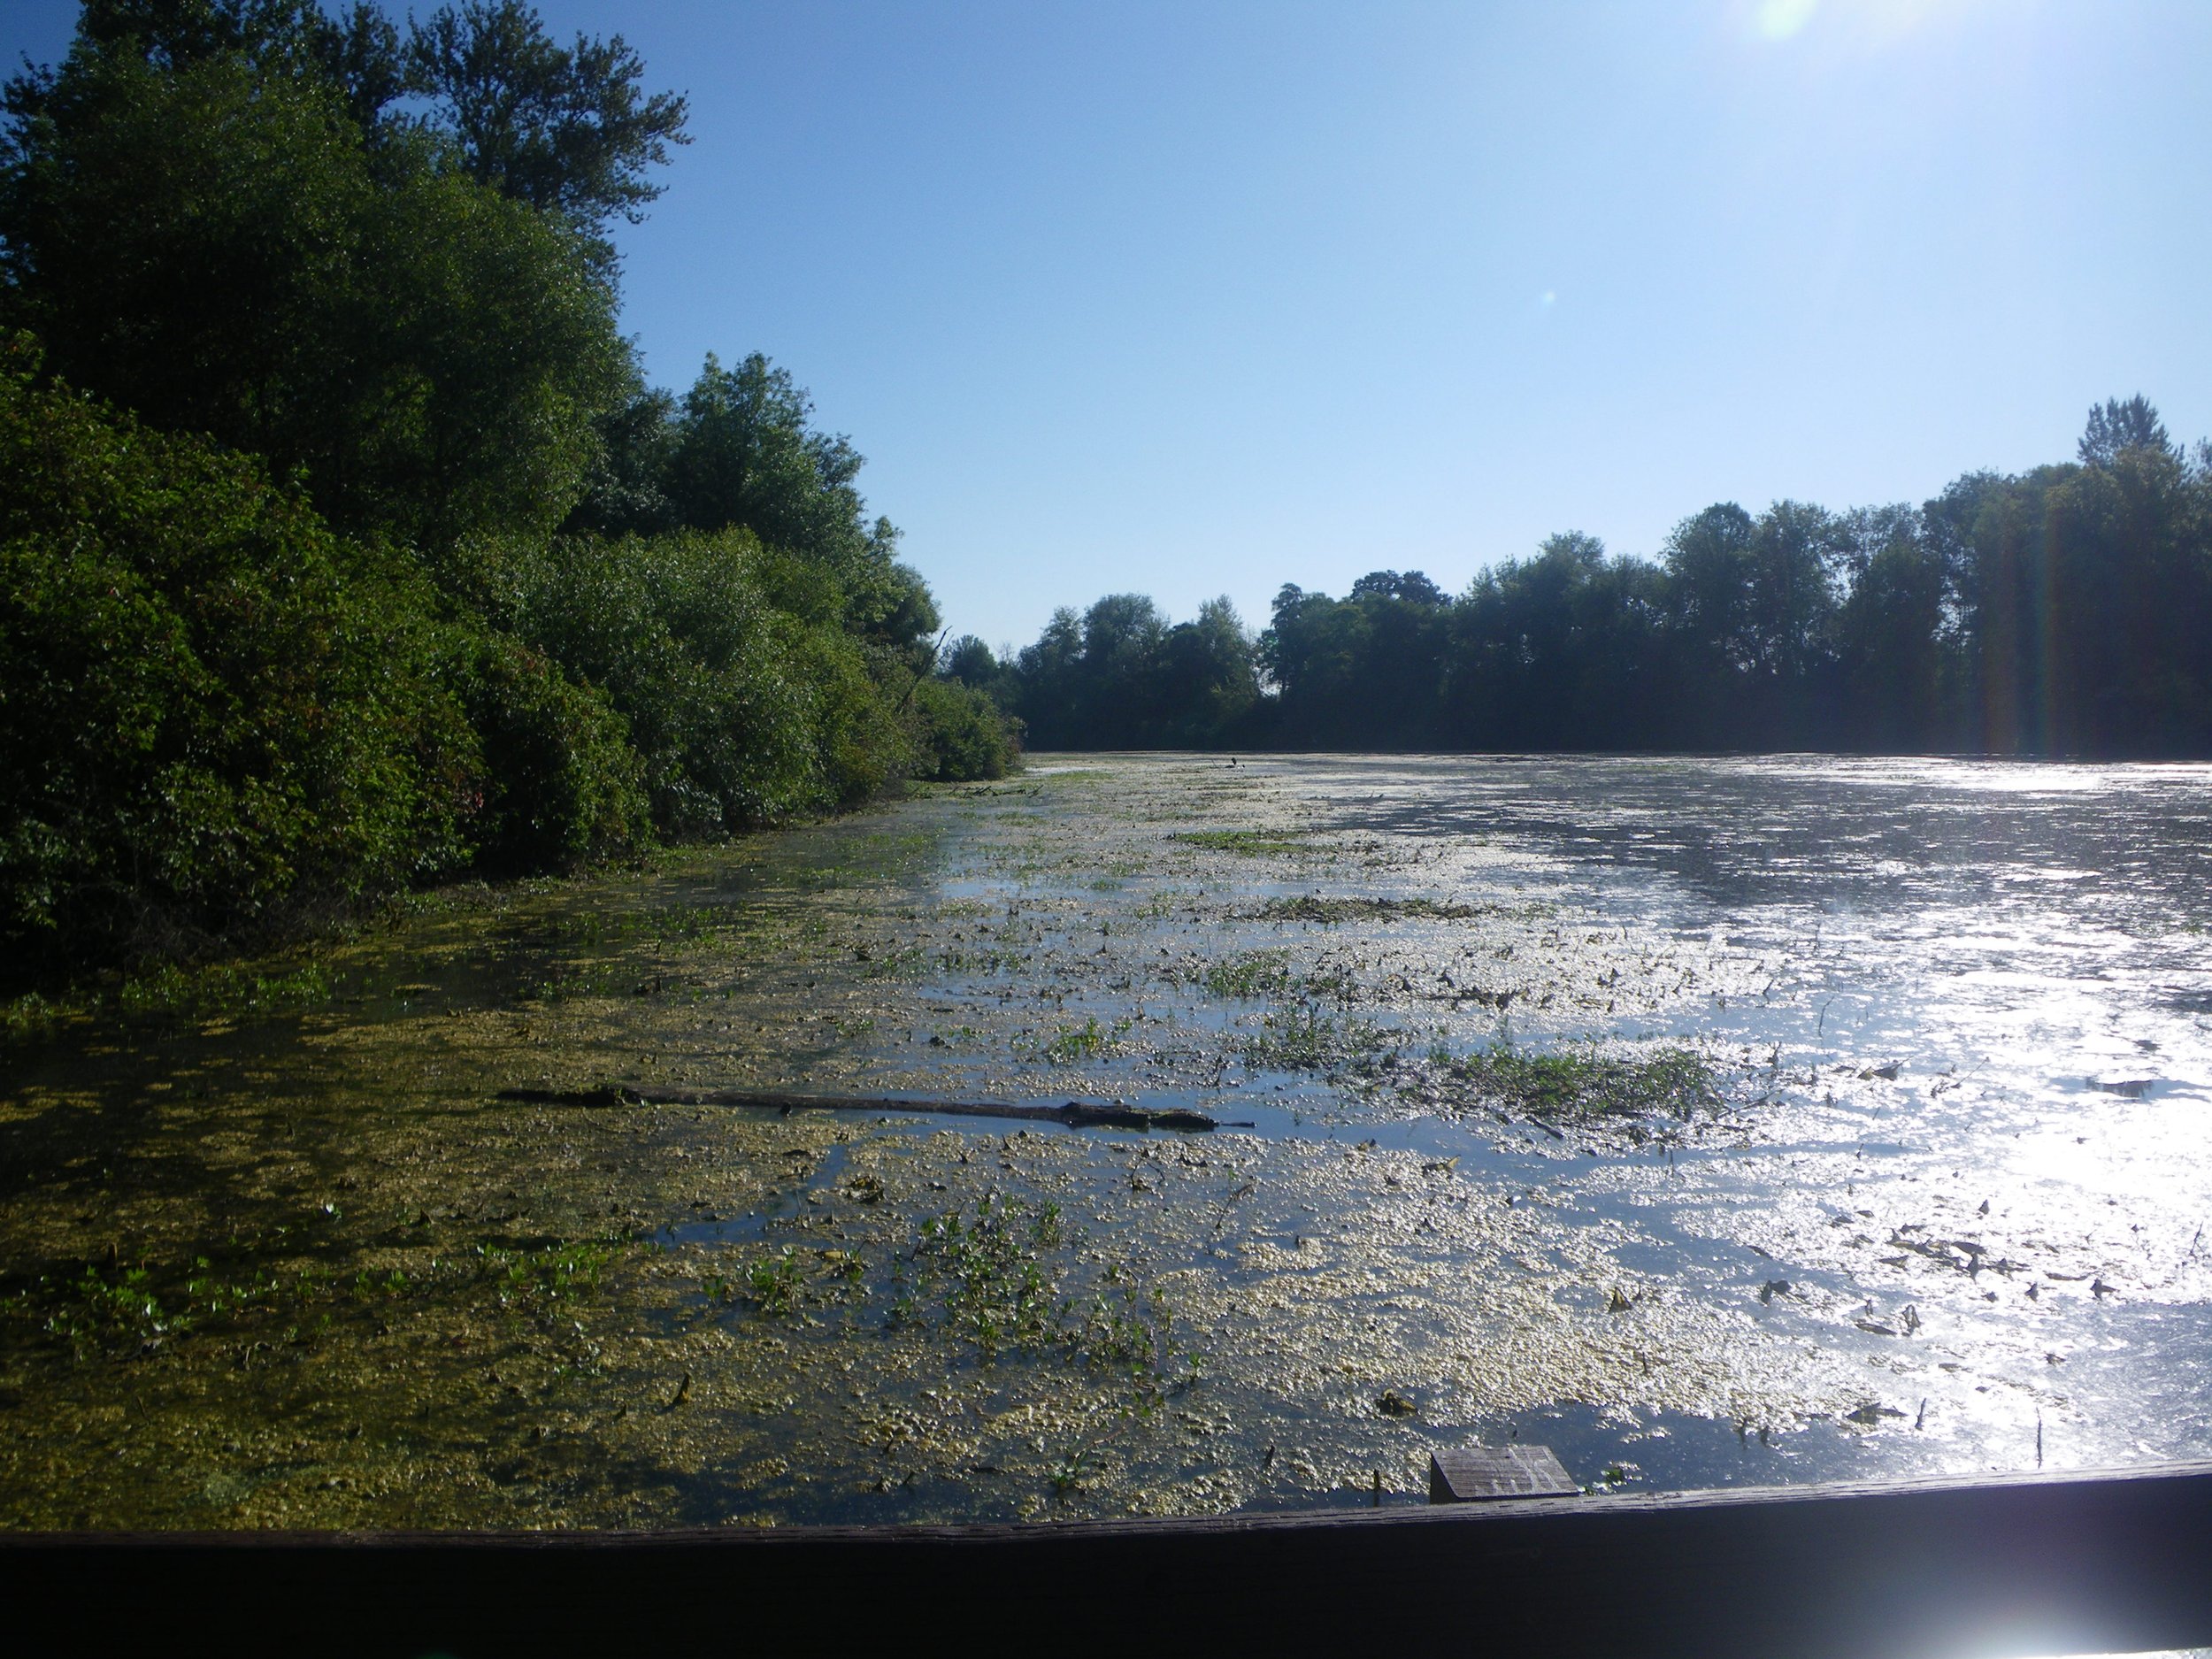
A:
{"x":1074,"y":1114}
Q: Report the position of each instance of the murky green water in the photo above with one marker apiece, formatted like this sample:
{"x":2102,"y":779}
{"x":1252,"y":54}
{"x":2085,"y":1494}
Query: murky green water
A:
{"x":1712,"y":1121}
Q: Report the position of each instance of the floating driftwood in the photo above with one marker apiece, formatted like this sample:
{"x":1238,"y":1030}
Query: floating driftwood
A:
{"x":1074,"y":1114}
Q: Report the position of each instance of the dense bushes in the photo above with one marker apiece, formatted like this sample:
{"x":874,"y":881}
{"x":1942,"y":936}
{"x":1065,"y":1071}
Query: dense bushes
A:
{"x":297,"y":629}
{"x":211,"y":708}
{"x":563,"y":787}
{"x":216,"y":714}
{"x":742,"y":711}
{"x":963,"y":735}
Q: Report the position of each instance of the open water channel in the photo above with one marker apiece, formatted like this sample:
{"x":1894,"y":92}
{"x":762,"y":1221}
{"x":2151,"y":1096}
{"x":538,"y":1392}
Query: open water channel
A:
{"x":1710,"y":1120}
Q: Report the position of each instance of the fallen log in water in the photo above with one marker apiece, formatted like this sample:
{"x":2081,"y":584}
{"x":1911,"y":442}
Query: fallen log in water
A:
{"x":1074,"y":1114}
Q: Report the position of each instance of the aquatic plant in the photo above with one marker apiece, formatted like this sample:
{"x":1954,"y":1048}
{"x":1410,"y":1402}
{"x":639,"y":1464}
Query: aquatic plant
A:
{"x":1569,"y":1086}
{"x":1255,"y":974}
{"x":544,"y":1275}
{"x":1000,"y":1276}
{"x":224,"y":989}
{"x":1253,"y":843}
{"x":776,"y":1283}
{"x":1074,"y":1043}
{"x":1329,"y":912}
{"x":1301,"y":1038}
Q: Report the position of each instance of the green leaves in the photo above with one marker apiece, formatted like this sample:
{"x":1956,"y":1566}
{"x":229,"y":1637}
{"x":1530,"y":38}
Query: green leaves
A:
{"x":218,"y":246}
{"x":213,"y":707}
{"x":229,"y":704}
{"x":563,"y":129}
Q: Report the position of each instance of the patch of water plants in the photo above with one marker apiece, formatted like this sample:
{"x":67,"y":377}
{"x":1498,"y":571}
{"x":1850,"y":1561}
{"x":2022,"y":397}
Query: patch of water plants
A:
{"x":125,"y":1305}
{"x":1003,"y":1280}
{"x":1254,"y":843}
{"x":221,"y":990}
{"x":1255,"y":974}
{"x":778,"y":1285}
{"x":1071,"y":1045}
{"x":1572,"y":1086}
{"x":1331,"y":912}
{"x":675,"y":924}
{"x":1301,"y":1038}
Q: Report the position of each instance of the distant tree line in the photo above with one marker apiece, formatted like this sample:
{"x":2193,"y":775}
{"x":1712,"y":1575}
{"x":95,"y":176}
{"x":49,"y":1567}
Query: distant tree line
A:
{"x":345,"y":547}
{"x":2065,"y":611}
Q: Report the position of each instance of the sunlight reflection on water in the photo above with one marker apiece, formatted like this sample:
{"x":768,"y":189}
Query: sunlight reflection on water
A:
{"x":1986,"y":1023}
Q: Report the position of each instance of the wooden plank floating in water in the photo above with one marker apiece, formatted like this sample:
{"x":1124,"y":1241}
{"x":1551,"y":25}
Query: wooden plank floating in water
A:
{"x":1950,"y":1569}
{"x":1074,"y":1114}
{"x":1483,"y":1474}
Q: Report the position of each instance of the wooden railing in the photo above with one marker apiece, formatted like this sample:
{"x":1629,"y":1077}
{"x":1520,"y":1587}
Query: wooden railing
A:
{"x":2109,"y":1561}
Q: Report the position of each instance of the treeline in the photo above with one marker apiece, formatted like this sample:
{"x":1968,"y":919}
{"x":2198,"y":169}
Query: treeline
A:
{"x":2065,"y":612}
{"x":345,"y":547}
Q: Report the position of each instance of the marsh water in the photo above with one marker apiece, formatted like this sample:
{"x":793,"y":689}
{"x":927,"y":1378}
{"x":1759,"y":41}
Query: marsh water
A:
{"x":1711,"y":1121}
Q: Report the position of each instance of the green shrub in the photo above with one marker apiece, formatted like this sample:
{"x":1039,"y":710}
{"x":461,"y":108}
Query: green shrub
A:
{"x":563,"y":787}
{"x":961,"y":734}
{"x":860,"y":746}
{"x":742,"y":712}
{"x":212,"y":711}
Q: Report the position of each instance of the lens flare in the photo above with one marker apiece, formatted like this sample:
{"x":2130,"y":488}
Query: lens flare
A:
{"x":1779,"y":19}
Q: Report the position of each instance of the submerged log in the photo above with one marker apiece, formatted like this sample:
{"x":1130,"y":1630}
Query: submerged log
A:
{"x":1074,"y":1114}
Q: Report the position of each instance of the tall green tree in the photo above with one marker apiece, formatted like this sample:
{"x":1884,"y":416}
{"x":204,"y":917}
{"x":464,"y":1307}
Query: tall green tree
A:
{"x":1209,"y":679}
{"x":567,"y":129}
{"x":209,"y":215}
{"x":1895,"y":638}
{"x":742,"y":453}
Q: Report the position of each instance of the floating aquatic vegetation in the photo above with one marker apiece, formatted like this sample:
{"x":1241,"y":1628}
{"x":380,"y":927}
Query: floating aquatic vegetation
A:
{"x":483,"y":1338}
{"x":1301,"y":1038}
{"x":125,"y":1304}
{"x":1329,"y":912}
{"x":1004,"y":1277}
{"x":1569,"y":1086}
{"x":1254,"y":843}
{"x":1251,"y":974}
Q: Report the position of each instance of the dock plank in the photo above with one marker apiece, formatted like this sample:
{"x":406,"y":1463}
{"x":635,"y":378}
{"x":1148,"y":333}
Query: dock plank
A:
{"x":1486,"y":1474}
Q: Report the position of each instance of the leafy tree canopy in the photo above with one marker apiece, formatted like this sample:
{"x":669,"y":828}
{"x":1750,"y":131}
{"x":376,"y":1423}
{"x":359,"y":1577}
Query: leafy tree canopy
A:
{"x":568,"y":130}
{"x":193,"y":219}
{"x":2067,"y":611}
{"x":2115,"y":427}
{"x":737,"y":450}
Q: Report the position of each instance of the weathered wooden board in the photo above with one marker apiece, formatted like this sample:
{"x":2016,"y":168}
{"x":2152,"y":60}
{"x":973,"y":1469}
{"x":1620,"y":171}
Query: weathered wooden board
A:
{"x":1956,"y":1569}
{"x":1482,"y":1474}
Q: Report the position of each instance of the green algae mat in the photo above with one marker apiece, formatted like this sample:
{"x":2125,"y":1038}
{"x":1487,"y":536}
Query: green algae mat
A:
{"x":1522,"y":1145}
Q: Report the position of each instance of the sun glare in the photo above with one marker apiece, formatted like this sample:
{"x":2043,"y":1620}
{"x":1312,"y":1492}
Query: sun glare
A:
{"x":1868,"y":23}
{"x":1778,"y":19}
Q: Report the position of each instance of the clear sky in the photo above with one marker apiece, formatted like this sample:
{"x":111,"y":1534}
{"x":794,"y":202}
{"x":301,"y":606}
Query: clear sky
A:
{"x":1196,"y":299}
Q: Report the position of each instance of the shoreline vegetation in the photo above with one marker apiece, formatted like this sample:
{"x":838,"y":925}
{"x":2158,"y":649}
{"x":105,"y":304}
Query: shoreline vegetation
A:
{"x":2065,"y":613}
{"x":346,"y":552}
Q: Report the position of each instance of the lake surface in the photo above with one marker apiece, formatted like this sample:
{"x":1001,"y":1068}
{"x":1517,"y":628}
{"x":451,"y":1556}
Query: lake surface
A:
{"x":1933,"y":1200}
{"x":2030,"y":947}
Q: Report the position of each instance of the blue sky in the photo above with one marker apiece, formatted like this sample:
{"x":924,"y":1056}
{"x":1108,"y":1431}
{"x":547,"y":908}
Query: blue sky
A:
{"x":1202,"y":298}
